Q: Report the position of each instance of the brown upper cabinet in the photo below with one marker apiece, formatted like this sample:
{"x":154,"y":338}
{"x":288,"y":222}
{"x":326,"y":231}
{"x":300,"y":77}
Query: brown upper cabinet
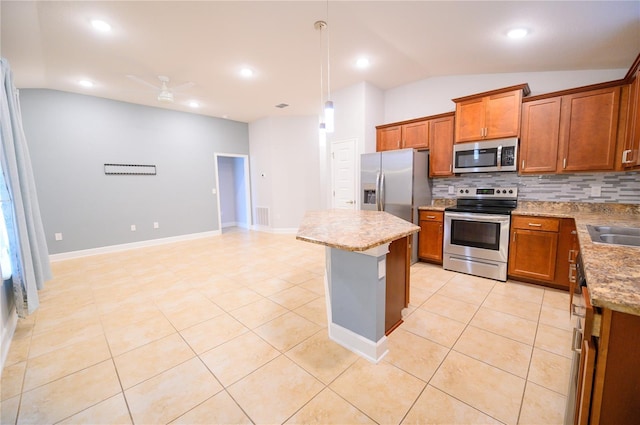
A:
{"x":588,"y":130}
{"x":630,"y":152}
{"x":540,"y":135}
{"x":577,"y":131}
{"x":490,"y":115}
{"x":434,"y":132}
{"x":441,"y":145}
{"x":409,"y":134}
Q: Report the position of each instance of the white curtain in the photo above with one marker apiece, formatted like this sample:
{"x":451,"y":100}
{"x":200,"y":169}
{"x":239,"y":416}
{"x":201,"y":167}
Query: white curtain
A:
{"x":27,"y":244}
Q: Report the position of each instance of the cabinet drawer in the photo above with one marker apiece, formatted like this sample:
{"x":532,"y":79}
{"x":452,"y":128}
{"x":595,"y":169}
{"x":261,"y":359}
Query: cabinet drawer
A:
{"x":431,"y":216}
{"x":535,"y":223}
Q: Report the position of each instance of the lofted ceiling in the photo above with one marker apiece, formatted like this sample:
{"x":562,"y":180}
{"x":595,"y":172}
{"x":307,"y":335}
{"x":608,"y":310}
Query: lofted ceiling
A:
{"x":51,"y":44}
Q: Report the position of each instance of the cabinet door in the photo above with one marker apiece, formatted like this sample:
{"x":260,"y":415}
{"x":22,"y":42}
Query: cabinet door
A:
{"x":430,"y":236}
{"x":588,"y":130}
{"x":470,"y":120}
{"x":532,"y":254}
{"x":566,"y":258}
{"x":416,"y":135}
{"x":502,"y":116}
{"x":631,"y":150}
{"x":585,"y":381}
{"x":441,"y":149}
{"x":397,"y":283}
{"x":388,"y":138}
{"x":540,"y":132}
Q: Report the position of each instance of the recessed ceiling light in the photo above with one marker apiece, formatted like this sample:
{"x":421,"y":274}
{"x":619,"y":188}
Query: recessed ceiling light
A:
{"x":517,"y":33}
{"x":194,"y":104}
{"x":246,"y":72}
{"x":101,"y":26}
{"x":363,"y":63}
{"x":85,"y":83}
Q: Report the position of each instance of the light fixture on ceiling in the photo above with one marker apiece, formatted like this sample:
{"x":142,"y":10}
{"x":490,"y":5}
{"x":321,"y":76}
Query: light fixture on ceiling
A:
{"x":194,"y":104}
{"x":327,"y":123}
{"x":363,"y":63}
{"x":100,"y":25}
{"x":85,"y":83}
{"x":246,"y":72}
{"x":517,"y":33}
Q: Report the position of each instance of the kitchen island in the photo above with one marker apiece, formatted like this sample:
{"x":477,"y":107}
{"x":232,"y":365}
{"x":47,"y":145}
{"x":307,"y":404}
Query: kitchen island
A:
{"x":359,"y":268}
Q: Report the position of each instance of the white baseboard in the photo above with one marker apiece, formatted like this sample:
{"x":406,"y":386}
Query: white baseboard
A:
{"x":235,"y":224}
{"x":123,"y":247}
{"x":7,"y":335}
{"x":372,"y":351}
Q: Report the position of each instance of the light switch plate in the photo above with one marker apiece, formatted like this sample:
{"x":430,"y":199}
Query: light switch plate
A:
{"x":596,"y":190}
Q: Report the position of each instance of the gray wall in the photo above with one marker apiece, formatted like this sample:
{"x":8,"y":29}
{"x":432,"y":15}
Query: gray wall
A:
{"x":72,"y":136}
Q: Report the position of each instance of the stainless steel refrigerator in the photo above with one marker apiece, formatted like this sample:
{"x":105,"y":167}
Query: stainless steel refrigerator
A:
{"x":397,"y":182}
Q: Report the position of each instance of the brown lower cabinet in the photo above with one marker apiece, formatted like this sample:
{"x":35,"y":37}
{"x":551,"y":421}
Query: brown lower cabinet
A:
{"x":397,"y":290}
{"x":543,"y":250}
{"x":608,"y":389}
{"x":430,"y":236}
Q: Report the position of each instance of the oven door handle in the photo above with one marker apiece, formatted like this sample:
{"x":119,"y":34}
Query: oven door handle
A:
{"x":490,"y":218}
{"x":499,"y":158}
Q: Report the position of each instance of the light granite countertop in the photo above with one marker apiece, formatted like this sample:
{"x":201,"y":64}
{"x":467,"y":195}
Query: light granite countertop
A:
{"x":353,"y":230}
{"x":612,"y":271}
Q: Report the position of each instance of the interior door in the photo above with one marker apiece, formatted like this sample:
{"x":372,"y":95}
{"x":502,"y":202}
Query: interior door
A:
{"x":343,"y":174}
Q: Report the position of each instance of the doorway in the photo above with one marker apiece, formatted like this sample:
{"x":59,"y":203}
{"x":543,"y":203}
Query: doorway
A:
{"x":343,"y":174}
{"x":233,"y":191}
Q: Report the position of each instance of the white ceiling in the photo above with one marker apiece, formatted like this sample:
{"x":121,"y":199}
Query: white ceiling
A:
{"x":51,"y":44}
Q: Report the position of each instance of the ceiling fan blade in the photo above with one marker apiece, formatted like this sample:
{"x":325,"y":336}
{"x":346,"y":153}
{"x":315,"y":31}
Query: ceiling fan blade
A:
{"x":183,"y":86}
{"x":141,"y":81}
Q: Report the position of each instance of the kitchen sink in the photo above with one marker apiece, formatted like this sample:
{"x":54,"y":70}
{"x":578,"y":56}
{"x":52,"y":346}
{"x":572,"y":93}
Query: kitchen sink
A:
{"x":616,"y":235}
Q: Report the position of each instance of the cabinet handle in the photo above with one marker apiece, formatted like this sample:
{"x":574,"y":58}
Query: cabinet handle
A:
{"x":431,"y":216}
{"x":564,"y":163}
{"x":399,"y":143}
{"x":572,"y":275}
{"x":535,"y":224}
{"x":625,"y":155}
{"x":523,"y":164}
{"x":450,"y":169}
{"x":575,"y":339}
{"x":575,"y":312}
{"x":572,"y":259}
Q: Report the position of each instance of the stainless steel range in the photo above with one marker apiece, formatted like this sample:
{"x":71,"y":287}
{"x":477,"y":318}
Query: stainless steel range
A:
{"x":476,"y":231}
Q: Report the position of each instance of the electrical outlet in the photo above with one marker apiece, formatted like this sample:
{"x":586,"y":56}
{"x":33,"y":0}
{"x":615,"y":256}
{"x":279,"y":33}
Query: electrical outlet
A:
{"x":596,"y":190}
{"x":156,"y":225}
{"x":133,"y":227}
{"x":452,"y":190}
{"x":58,"y":236}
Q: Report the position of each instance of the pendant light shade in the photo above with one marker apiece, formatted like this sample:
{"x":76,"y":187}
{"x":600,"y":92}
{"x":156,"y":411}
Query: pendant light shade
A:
{"x":328,"y":116}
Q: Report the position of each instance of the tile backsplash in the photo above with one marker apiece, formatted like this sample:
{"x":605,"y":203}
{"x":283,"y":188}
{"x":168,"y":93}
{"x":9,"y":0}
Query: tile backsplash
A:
{"x":614,"y":187}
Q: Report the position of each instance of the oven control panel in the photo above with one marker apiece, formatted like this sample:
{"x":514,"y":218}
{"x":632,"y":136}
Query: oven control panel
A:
{"x":487,"y":192}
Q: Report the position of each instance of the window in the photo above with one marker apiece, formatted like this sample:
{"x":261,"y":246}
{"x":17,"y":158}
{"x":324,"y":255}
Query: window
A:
{"x":6,"y":214}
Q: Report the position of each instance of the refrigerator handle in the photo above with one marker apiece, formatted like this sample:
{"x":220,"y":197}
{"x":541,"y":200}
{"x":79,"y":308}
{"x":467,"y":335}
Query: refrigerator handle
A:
{"x":378,"y":191}
{"x":382,"y":194}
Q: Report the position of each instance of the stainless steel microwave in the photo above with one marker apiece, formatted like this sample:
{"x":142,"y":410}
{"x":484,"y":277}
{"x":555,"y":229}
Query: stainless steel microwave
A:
{"x":485,"y":157}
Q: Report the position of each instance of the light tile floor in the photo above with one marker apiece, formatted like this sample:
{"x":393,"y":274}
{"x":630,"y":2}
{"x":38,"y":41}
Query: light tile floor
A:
{"x":232,"y":329}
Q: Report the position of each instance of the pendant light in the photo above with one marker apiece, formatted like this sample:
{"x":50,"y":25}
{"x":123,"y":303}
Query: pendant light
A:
{"x":328,"y":105}
{"x":327,"y":122}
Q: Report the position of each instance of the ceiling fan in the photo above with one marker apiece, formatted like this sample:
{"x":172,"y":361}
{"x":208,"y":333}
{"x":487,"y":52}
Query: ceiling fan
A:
{"x":165,"y":94}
